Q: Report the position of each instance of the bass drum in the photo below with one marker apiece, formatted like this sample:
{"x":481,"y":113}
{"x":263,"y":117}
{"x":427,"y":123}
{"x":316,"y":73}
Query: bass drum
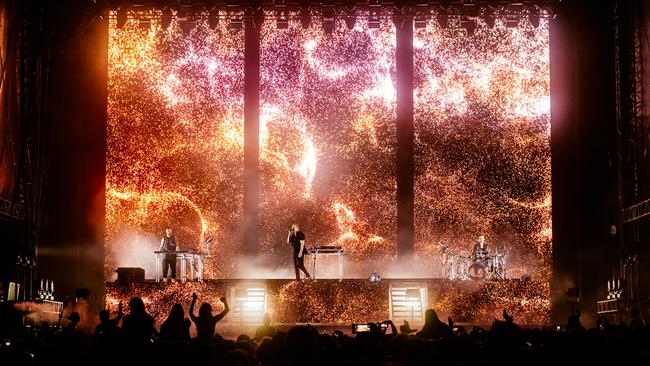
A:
{"x":477,"y":271}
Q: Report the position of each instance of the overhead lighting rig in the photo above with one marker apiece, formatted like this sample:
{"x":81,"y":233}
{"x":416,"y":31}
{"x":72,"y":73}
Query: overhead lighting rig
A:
{"x":448,"y":14}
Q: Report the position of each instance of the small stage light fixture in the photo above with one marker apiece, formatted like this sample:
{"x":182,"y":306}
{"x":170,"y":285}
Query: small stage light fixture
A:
{"x":469,"y":25}
{"x":490,"y":20}
{"x":374,"y":21}
{"x":420,"y":21}
{"x":187,"y":26}
{"x":443,"y":20}
{"x":166,"y":18}
{"x":328,"y":19}
{"x":122,"y":17}
{"x":305,"y":18}
{"x":144,"y":24}
{"x":282,"y":21}
{"x":511,"y":23}
{"x":349,"y":21}
{"x":213,"y":18}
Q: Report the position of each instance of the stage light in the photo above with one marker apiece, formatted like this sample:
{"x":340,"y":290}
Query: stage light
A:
{"x":187,"y":26}
{"x":328,"y":19}
{"x":256,"y":305}
{"x":236,"y":23}
{"x":213,"y":18}
{"x":470,"y":10}
{"x":443,"y":20}
{"x":248,"y":304}
{"x":305,"y":18}
{"x":185,"y":10}
{"x":258,"y":20}
{"x":122,"y":17}
{"x":420,"y":21}
{"x":375,"y":277}
{"x":512,"y":23}
{"x":166,"y":18}
{"x":516,"y":7}
{"x":469,"y":25}
{"x":349,"y":21}
{"x":413,"y":294}
{"x":374,"y":23}
{"x":407,"y":301}
{"x":282,"y":22}
{"x":490,"y":20}
{"x":421,"y":15}
{"x":534,"y":20}
{"x":144,"y":24}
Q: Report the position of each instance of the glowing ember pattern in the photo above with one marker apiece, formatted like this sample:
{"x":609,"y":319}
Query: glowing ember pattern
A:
{"x":350,"y":301}
{"x":327,"y":148}
{"x":483,"y":164}
{"x":482,"y":302}
{"x":328,"y":136}
{"x":175,"y":154}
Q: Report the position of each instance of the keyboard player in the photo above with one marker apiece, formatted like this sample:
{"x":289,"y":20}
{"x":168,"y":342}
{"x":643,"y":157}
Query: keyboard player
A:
{"x":168,"y":245}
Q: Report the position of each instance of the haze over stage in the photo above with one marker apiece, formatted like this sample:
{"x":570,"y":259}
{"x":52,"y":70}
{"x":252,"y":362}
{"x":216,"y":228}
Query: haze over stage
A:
{"x":328,"y":141}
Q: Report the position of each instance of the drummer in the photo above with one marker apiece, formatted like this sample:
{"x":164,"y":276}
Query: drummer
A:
{"x":480,"y":249}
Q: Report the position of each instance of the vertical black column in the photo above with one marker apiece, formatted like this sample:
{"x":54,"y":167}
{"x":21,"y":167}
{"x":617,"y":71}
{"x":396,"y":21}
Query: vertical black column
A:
{"x":405,"y":160}
{"x":565,"y":165}
{"x":583,"y":150}
{"x":251,"y":135}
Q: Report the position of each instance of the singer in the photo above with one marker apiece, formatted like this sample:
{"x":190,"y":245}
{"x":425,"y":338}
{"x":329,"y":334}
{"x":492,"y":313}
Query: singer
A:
{"x":297,"y":240}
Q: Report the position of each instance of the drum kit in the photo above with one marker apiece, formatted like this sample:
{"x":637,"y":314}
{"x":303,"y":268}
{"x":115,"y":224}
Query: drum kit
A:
{"x":460,"y":266}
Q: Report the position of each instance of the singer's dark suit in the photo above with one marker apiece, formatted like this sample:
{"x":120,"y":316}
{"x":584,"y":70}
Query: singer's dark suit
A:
{"x":298,"y":261}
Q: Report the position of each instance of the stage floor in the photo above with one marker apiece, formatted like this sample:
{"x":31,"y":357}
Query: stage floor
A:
{"x":334,"y":303}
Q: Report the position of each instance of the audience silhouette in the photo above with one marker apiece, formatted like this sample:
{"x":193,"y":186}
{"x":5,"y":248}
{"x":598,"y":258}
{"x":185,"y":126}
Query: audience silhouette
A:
{"x":108,"y":329}
{"x":504,"y":343}
{"x":636,"y":321}
{"x":138,"y":325}
{"x":264,"y":330}
{"x":206,"y":322}
{"x":433,"y":327}
{"x":176,"y":327}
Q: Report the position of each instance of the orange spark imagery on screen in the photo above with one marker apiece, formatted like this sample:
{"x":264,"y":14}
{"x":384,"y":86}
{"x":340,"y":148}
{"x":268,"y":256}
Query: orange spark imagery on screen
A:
{"x":174,"y":156}
{"x":328,"y":144}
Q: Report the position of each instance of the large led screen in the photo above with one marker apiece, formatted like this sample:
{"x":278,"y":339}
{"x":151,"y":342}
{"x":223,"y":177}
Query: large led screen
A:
{"x":175,"y":141}
{"x":482,"y":143}
{"x":327,"y":140}
{"x":328,"y":144}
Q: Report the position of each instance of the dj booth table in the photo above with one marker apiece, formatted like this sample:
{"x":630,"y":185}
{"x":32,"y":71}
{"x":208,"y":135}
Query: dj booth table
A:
{"x":195,"y":260}
{"x":327,"y":250}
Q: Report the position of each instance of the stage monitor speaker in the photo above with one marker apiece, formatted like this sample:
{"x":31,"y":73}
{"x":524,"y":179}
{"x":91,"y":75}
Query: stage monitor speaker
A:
{"x":82,"y":293}
{"x":127,"y":275}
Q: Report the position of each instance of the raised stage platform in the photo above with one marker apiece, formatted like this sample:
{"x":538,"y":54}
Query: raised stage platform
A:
{"x":344,"y":302}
